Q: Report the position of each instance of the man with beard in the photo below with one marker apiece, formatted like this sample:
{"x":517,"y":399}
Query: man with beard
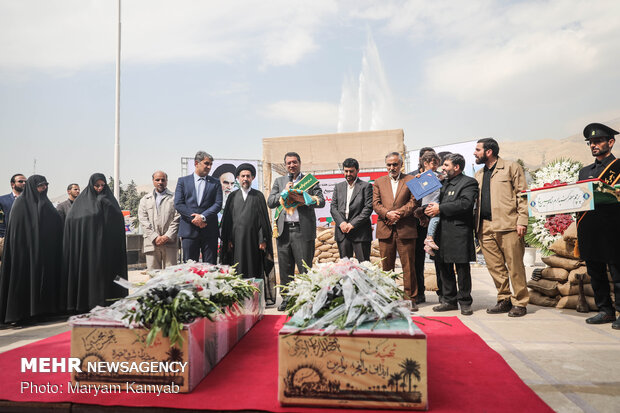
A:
{"x":597,"y":230}
{"x":351,"y":208}
{"x":396,"y":226}
{"x":160,"y":224}
{"x":246,"y":233}
{"x":18,"y":182}
{"x":296,"y":231}
{"x":73,"y":190}
{"x":455,"y":234}
{"x":501,"y":224}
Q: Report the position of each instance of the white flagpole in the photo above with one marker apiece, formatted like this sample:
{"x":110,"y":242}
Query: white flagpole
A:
{"x":117,"y":119}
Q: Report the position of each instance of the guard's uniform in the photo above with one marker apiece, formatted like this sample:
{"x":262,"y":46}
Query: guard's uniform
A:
{"x":598,"y":231}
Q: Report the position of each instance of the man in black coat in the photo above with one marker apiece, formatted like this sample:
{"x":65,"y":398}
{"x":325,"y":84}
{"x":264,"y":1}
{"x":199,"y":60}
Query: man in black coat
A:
{"x":455,"y":234}
{"x":597,"y":230}
{"x":351,"y":208}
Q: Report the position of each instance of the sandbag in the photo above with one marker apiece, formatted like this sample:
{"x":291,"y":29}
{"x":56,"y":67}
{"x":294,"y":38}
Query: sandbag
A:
{"x":324,"y":247}
{"x":542,"y":300}
{"x":561,"y":262}
{"x":570,"y":302}
{"x":563,"y":248}
{"x":430,"y":282}
{"x":325,"y":255}
{"x":570,"y":233}
{"x":572,"y":276}
{"x":546,"y":287}
{"x":555,"y":274}
{"x":572,"y":289}
{"x":325,"y":235}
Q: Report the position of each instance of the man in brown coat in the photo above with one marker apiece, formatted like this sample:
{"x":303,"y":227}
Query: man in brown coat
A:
{"x":396,"y":226}
{"x":501,"y":224}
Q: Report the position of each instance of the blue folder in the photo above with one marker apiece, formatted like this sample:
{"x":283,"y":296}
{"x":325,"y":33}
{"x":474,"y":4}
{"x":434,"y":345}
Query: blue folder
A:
{"x":424,"y":185}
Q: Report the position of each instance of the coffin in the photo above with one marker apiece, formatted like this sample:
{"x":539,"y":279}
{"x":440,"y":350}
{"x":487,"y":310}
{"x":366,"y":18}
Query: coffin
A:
{"x":382,"y":368}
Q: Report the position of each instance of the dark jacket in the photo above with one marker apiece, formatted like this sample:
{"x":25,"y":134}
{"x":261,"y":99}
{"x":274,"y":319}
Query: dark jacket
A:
{"x":597,"y":232}
{"x":6,"y":202}
{"x":360,"y":209}
{"x":455,"y":234}
{"x":307,"y":217}
{"x":186,"y":202}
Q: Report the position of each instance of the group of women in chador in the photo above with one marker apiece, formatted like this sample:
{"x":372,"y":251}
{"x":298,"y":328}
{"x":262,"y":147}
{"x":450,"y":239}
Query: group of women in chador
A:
{"x":48,"y":270}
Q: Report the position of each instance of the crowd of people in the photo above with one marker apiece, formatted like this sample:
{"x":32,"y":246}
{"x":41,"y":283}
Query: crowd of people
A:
{"x":66,"y":260}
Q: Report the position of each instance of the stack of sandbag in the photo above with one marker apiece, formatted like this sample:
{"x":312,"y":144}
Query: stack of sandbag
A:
{"x":557,"y":285}
{"x":325,"y":247}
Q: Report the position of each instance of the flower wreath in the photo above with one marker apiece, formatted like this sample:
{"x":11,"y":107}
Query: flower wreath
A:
{"x":543,"y":231}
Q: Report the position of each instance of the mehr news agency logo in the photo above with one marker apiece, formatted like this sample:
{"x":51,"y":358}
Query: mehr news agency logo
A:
{"x":72,"y":364}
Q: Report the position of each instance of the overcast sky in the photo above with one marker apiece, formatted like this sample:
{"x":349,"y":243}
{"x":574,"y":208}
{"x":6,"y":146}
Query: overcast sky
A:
{"x":220,"y":76}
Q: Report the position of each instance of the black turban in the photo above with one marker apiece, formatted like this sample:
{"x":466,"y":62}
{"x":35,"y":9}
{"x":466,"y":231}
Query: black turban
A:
{"x":246,"y":167}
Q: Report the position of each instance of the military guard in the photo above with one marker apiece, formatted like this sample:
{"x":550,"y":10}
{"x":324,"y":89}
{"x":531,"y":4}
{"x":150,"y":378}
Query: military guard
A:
{"x":597,"y":230}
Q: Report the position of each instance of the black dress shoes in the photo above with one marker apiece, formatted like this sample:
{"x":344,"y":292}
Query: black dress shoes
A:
{"x":501,"y":307}
{"x":420,"y":299}
{"x":517,"y":311}
{"x":282,"y":307}
{"x":602,"y":318}
{"x":466,"y":310}
{"x":616,"y":324}
{"x":445,"y":307}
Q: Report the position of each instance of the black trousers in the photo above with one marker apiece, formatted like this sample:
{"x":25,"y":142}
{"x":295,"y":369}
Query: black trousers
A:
{"x":293,"y":250}
{"x":193,"y":247}
{"x":347,"y":248}
{"x":600,"y":284}
{"x":420,"y":256}
{"x":449,"y":278}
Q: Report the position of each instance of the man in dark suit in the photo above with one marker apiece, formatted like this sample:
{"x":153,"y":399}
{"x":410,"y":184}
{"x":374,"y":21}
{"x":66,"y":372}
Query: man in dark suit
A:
{"x":198,"y":198}
{"x":455,"y":234}
{"x":351,"y":208}
{"x":597,"y":230}
{"x":18,"y":182}
{"x":297,"y":231}
{"x":396,"y":226}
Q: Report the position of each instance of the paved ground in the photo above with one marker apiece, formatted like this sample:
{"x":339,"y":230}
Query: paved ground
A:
{"x":573,"y":366}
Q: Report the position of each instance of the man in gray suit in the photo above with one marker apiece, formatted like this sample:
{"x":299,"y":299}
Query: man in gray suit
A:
{"x":297,"y":231}
{"x":351,"y":208}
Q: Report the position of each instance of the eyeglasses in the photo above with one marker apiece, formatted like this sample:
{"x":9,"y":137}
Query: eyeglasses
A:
{"x":392,"y":164}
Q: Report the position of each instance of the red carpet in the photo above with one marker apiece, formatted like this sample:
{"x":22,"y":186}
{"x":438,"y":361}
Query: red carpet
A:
{"x":464,"y":375}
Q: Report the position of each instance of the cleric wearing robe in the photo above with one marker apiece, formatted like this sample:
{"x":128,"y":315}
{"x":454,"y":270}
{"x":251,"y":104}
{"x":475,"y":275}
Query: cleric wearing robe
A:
{"x":246,"y":232}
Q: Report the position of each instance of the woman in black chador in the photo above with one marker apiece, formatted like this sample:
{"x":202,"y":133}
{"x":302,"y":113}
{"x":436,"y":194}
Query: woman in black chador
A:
{"x":31,"y":284}
{"x":94,"y":248}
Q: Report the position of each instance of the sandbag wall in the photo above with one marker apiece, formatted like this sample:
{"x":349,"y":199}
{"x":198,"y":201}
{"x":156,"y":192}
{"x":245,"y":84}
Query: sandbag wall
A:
{"x":557,"y":285}
{"x":326,"y":249}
